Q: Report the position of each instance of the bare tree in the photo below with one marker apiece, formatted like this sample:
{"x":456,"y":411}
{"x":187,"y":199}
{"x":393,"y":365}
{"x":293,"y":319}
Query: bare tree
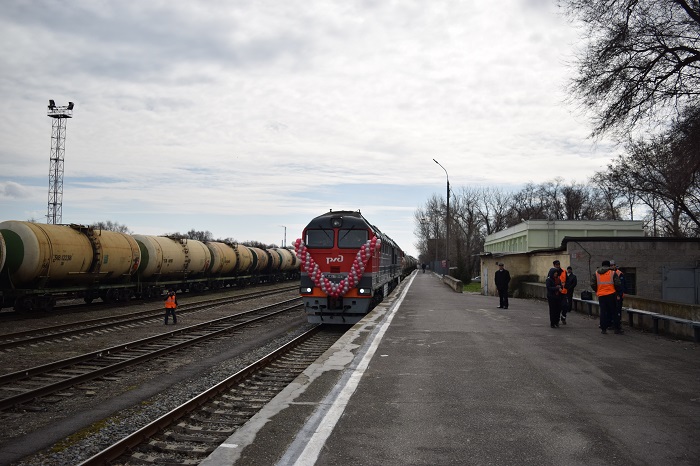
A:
{"x":199,"y":235}
{"x":493,"y":209}
{"x":642,"y":60}
{"x":431,"y":219}
{"x":610,"y":195}
{"x":111,"y":226}
{"x":579,"y":202}
{"x":534,"y":202}
{"x":468,"y":237}
{"x":664,"y":171}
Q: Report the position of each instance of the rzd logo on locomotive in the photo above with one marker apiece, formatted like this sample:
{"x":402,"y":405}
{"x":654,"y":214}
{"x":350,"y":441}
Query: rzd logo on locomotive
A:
{"x":334,"y":259}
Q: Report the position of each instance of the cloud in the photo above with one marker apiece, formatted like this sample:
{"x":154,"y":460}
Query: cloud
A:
{"x":225,"y":108}
{"x":12,"y":190}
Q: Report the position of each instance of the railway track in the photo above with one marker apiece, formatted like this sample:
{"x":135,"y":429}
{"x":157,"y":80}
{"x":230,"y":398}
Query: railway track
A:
{"x":30,"y":384}
{"x":67,"y":331}
{"x":188,"y":433}
{"x":76,"y":305}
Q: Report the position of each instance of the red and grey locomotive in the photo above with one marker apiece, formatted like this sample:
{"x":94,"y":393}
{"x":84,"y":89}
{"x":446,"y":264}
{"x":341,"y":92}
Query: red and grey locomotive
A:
{"x":348,"y":266}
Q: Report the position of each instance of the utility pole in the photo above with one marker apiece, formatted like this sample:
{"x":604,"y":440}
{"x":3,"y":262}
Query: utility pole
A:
{"x":284,"y":242}
{"x":59,"y":114}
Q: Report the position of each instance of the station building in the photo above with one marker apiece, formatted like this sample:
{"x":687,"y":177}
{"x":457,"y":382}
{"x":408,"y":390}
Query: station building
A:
{"x":656,"y":269}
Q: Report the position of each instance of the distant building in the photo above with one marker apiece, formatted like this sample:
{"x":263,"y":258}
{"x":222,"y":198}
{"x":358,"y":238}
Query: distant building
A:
{"x":533,"y":235}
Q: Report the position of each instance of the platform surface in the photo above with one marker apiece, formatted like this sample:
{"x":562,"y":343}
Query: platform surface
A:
{"x":434,"y":377}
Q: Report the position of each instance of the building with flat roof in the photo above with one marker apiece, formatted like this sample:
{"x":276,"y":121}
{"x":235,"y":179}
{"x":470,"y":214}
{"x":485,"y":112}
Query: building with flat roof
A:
{"x":533,"y":235}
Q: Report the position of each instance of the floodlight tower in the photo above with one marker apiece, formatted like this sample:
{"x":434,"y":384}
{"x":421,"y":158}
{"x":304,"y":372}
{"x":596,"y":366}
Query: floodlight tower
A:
{"x":60,"y":114}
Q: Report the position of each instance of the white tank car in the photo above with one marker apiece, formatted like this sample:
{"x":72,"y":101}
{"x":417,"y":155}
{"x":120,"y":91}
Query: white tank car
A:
{"x":170,"y":257}
{"x":223,"y":258}
{"x":65,"y":254}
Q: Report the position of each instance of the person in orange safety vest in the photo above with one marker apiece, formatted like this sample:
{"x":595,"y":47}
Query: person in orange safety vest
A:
{"x":561,"y":275}
{"x":170,"y":306}
{"x":606,"y":284}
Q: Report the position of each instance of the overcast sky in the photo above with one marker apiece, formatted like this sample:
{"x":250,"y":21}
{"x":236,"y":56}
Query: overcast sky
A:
{"x":241,"y":118}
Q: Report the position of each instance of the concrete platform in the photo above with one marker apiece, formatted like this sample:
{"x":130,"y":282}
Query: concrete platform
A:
{"x":434,"y":377}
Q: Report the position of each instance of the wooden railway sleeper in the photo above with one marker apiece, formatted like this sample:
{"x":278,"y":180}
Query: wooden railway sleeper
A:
{"x":223,"y":419}
{"x":195,"y":437}
{"x":149,"y":458}
{"x":166,"y":447}
{"x":205,"y":429}
{"x":239,"y":406}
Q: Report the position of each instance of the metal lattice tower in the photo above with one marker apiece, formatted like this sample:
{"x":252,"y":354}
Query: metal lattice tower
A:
{"x":58,"y":149}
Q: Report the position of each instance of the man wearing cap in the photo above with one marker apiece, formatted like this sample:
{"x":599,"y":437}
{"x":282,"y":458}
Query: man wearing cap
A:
{"x":605,"y":282}
{"x":502,"y":279}
{"x":623,"y":288}
{"x":571,"y":282}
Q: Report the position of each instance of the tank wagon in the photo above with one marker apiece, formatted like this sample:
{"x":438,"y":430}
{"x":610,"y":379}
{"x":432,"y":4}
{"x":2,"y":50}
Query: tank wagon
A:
{"x":347,"y":267}
{"x":39,"y":263}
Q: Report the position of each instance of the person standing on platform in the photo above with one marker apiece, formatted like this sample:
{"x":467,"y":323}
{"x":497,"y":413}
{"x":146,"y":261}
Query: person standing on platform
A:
{"x":554,"y":296}
{"x":605,"y":282}
{"x":563,"y":305}
{"x":502,"y":280}
{"x":170,"y":306}
{"x":621,"y":292}
{"x":571,"y":282}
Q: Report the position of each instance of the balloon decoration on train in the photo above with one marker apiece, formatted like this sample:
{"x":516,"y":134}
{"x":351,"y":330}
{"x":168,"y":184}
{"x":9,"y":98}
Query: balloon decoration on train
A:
{"x":356,"y":270}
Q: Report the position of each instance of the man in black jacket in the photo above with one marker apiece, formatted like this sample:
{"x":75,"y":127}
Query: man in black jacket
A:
{"x":502,"y":280}
{"x":571,"y":282}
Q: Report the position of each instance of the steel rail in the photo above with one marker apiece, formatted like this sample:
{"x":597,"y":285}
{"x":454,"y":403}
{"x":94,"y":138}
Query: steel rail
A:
{"x":128,"y":443}
{"x":58,"y":331}
{"x":60,"y":385}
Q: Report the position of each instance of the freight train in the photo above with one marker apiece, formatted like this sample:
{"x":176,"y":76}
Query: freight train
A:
{"x":40,"y":263}
{"x":347,"y":267}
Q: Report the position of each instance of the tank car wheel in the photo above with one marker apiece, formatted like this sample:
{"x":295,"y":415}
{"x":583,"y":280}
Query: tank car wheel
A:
{"x":48,"y":303}
{"x":25,"y":304}
{"x":110,"y":296}
{"x":125,"y":295}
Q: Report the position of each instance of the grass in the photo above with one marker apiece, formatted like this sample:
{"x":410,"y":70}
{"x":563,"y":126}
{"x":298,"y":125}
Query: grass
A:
{"x":473,"y":287}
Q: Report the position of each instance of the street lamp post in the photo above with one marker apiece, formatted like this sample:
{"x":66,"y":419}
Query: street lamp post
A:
{"x":447,"y":220}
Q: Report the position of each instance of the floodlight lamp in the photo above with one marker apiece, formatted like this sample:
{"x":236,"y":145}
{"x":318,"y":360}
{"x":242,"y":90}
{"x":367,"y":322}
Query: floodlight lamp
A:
{"x":70,"y":105}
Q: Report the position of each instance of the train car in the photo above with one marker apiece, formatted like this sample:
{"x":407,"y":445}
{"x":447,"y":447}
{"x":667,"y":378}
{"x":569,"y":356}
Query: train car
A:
{"x":348,"y":266}
{"x":408,"y":265}
{"x":45,"y":261}
{"x":42,"y":262}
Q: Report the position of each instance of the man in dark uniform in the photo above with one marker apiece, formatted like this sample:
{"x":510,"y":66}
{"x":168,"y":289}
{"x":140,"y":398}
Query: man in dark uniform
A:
{"x":502,"y":280}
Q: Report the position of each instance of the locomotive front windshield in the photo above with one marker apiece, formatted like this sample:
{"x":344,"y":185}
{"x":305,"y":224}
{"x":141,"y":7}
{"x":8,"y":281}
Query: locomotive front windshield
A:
{"x":351,"y":238}
{"x":319,"y":238}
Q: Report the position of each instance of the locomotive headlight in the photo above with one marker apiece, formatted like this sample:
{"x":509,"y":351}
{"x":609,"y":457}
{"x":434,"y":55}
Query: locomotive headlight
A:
{"x":365,"y":291}
{"x":305,"y":290}
{"x":336,"y":222}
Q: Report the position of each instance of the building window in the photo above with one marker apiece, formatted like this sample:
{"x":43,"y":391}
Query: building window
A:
{"x":630,"y":279}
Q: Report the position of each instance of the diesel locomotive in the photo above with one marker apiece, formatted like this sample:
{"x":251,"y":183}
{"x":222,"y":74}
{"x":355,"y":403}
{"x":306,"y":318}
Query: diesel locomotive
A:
{"x":347,"y":266}
{"x":42,"y":262}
